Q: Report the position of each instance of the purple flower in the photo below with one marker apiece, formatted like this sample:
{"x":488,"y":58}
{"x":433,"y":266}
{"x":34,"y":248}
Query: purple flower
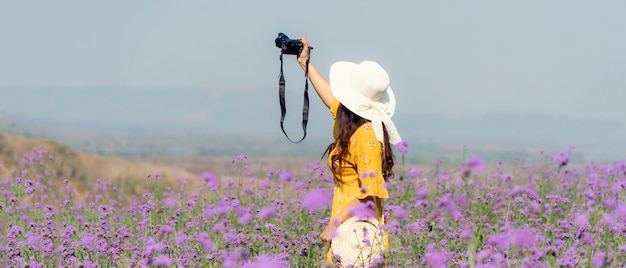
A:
{"x":32,"y":240}
{"x":333,"y":233}
{"x":598,"y":259}
{"x":363,"y":189}
{"x":522,"y":238}
{"x":367,"y":174}
{"x":422,"y":193}
{"x":231,"y":237}
{"x":467,"y":233}
{"x":206,"y":242}
{"x":266,"y":212}
{"x":363,"y":210}
{"x":159,"y":247}
{"x":437,"y":259}
{"x":501,"y":241}
{"x":180,"y":237}
{"x":89,"y":264}
{"x":617,"y":187}
{"x":559,"y":243}
{"x":152,"y":248}
{"x":581,"y":220}
{"x":620,"y":211}
{"x":483,"y":255}
{"x":403,"y":147}
{"x":7,"y":193}
{"x":475,"y":165}
{"x":162,"y":260}
{"x":607,"y":220}
{"x":165,"y":229}
{"x":416,"y":173}
{"x":399,"y":212}
{"x":34,"y":263}
{"x":461,"y":200}
{"x":453,"y":211}
{"x":587,"y":239}
{"x":284,"y":176}
{"x":191,"y":204}
{"x":86,"y":240}
{"x":266,"y":261}
{"x":316,"y":199}
{"x":213,"y":183}
{"x":561,"y":158}
{"x":217,"y":228}
{"x":169,"y":202}
{"x":245,"y":218}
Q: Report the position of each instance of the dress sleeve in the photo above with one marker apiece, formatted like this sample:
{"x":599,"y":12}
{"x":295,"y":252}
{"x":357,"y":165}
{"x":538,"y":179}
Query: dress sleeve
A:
{"x":368,"y":154}
{"x":334,"y":106}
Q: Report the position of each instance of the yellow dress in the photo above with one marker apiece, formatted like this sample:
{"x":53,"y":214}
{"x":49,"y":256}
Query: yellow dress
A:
{"x":365,"y":154}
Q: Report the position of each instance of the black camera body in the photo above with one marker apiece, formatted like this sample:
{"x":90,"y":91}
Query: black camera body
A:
{"x":287,"y":45}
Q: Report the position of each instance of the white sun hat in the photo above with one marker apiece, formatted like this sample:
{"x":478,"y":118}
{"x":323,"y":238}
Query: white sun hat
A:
{"x":361,"y":88}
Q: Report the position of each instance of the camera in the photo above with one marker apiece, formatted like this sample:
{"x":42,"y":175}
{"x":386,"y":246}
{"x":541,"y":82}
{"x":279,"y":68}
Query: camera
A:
{"x":287,"y":45}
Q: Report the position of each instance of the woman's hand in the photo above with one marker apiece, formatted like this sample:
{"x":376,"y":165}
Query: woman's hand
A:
{"x":304,"y":54}
{"x":328,"y":233}
{"x":342,"y":216}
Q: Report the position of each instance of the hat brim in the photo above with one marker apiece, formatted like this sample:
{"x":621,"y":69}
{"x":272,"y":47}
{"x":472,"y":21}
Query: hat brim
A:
{"x":344,"y":89}
{"x":344,"y":85}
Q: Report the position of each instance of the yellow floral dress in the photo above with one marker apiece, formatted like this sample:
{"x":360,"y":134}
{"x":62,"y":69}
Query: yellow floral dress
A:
{"x":365,"y":154}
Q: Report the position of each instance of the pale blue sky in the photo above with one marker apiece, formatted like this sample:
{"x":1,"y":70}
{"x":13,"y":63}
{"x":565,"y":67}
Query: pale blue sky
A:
{"x":446,"y":57}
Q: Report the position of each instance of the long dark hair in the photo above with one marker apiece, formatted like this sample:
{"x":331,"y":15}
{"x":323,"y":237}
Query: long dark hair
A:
{"x":348,"y":122}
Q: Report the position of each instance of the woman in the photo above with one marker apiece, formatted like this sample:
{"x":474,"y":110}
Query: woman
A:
{"x":361,"y":158}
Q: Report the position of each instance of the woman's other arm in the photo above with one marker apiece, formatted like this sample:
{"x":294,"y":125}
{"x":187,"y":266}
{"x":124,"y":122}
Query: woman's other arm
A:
{"x":342,"y":216}
{"x":321,"y":85}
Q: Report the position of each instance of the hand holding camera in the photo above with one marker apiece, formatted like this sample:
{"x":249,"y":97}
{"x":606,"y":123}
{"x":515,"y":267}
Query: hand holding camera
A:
{"x":304,"y":54}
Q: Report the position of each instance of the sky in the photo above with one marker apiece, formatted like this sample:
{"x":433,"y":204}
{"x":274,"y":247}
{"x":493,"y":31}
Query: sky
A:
{"x":451,"y":58}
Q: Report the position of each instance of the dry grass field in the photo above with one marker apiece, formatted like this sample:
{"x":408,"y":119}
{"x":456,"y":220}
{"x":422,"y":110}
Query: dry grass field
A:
{"x":129,"y":176}
{"x":84,"y":169}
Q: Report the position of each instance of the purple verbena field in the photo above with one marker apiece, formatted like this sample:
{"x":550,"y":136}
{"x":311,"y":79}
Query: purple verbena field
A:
{"x":551,"y":214}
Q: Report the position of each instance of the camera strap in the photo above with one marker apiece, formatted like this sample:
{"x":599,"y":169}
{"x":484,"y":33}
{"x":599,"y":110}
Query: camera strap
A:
{"x":281,"y":96}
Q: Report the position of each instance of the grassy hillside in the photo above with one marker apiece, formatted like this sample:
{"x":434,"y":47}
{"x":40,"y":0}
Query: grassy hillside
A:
{"x":84,"y":169}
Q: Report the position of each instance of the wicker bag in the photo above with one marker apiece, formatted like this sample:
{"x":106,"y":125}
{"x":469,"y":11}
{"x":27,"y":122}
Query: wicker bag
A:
{"x":359,"y":242}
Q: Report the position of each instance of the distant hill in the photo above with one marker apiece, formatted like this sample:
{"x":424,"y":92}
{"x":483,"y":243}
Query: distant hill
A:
{"x":593,"y":139}
{"x":83,"y":169}
{"x":227,"y":119}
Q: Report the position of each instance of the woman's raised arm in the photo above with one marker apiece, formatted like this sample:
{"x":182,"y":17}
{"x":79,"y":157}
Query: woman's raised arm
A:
{"x":321,"y":85}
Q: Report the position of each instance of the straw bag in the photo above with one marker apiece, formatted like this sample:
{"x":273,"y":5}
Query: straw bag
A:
{"x":359,"y":241}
